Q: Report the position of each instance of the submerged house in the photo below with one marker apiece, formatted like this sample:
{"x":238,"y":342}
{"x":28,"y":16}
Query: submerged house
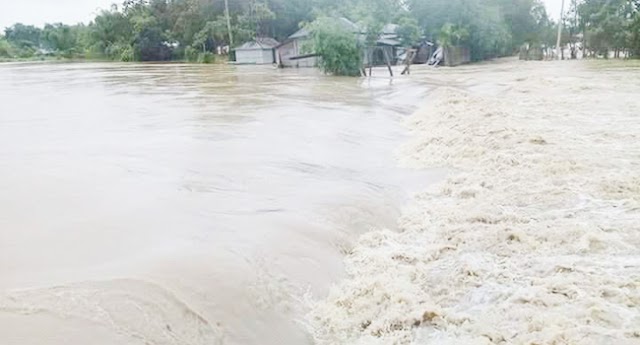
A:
{"x":258,"y":52}
{"x":422,"y":52}
{"x":388,"y":48}
{"x":291,"y":52}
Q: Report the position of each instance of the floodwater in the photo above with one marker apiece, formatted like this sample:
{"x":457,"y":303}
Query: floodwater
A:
{"x":181,"y":204}
{"x":533,"y":237}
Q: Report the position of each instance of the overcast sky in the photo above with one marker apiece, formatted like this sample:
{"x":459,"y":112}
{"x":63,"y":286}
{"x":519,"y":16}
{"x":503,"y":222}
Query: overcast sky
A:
{"x":38,"y":12}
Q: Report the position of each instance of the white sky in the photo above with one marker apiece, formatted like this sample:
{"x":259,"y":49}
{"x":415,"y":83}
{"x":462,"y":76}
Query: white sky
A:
{"x":553,"y":7}
{"x":38,"y":12}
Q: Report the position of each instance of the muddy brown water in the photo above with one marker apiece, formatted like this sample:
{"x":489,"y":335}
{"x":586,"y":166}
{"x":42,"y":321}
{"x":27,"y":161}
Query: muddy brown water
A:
{"x":183,"y":204}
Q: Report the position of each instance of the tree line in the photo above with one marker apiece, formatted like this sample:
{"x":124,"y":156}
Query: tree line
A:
{"x":603,"y":28}
{"x":197,"y":30}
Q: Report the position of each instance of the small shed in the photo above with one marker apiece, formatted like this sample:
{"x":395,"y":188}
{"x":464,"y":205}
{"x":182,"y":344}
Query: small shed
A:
{"x":456,"y":55}
{"x":387,"y":48}
{"x":531,"y":52}
{"x":424,"y":50}
{"x":258,"y":52}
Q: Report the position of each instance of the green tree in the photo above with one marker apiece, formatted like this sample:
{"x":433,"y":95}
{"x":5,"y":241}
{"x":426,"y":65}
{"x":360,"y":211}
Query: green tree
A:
{"x":23,"y":36}
{"x":149,"y":42}
{"x":339,"y":50}
{"x":494,"y":27}
{"x":163,"y":29}
{"x":373,"y":15}
{"x":608,"y":24}
{"x":60,"y":38}
{"x":288,"y":16}
{"x":453,"y":35}
{"x":255,"y":21}
{"x":186,"y":20}
{"x":211,"y":35}
{"x":634,"y":36}
{"x":409,"y":31}
{"x":110,"y":35}
{"x":6,"y":50}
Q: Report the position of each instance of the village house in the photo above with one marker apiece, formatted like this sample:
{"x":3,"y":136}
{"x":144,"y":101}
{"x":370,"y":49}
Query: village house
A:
{"x":387,"y":48}
{"x":257,"y":52}
{"x":291,"y":52}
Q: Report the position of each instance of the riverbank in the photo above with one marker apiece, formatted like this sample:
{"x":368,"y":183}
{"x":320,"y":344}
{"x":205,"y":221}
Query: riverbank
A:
{"x":51,"y":59}
{"x":33,"y":59}
{"x":534,"y":237}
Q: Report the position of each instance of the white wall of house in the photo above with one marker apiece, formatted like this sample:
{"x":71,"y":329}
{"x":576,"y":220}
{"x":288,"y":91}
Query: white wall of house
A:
{"x":307,"y":62}
{"x":285,"y":52}
{"x":254,"y":56}
{"x":292,"y":49}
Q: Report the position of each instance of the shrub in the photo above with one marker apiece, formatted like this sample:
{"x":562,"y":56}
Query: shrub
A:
{"x":5,"y":49}
{"x":191,"y":54}
{"x":127,"y":54}
{"x":26,"y":52}
{"x":206,"y":57}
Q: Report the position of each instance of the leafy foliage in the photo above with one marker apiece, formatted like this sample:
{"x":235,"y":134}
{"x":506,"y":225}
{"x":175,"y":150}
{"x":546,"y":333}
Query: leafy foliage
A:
{"x":23,"y":35}
{"x":339,"y":50}
{"x":409,"y":31}
{"x":608,"y":25}
{"x":6,"y":50}
{"x":191,"y":29}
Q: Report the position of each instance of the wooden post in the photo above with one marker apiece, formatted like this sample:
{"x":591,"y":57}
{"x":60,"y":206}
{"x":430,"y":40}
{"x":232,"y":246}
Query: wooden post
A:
{"x":226,"y":12}
{"x":387,"y":60}
{"x":559,"y":50}
{"x":363,"y":68}
{"x":370,"y":52}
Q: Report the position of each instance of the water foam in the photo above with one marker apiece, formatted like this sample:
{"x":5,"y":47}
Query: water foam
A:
{"x":533,"y":240}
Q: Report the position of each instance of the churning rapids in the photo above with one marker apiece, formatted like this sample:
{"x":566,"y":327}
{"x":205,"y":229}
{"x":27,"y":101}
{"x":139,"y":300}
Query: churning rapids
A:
{"x":533,"y":238}
{"x":182,"y":204}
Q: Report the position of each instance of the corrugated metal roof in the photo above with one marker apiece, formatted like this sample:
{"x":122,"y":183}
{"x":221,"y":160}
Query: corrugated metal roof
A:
{"x":390,"y":29}
{"x":349,"y":25}
{"x":300,"y":34}
{"x":388,"y":42}
{"x":388,"y":36}
{"x":342,"y":21}
{"x":259,"y":43}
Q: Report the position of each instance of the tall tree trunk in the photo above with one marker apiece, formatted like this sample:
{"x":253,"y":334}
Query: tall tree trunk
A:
{"x":558,"y":47}
{"x":226,"y":12}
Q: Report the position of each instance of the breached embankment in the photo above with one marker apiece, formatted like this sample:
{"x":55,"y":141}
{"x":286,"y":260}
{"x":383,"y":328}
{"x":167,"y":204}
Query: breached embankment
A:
{"x":535,"y":236}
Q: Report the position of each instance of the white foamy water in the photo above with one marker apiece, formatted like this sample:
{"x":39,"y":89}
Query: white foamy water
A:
{"x":534,"y":238}
{"x":181,"y":204}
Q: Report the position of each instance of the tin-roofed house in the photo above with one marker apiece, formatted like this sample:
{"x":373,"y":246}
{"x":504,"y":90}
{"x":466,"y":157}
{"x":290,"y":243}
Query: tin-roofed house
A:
{"x":258,"y":52}
{"x":292,"y":52}
{"x":387,"y":48}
